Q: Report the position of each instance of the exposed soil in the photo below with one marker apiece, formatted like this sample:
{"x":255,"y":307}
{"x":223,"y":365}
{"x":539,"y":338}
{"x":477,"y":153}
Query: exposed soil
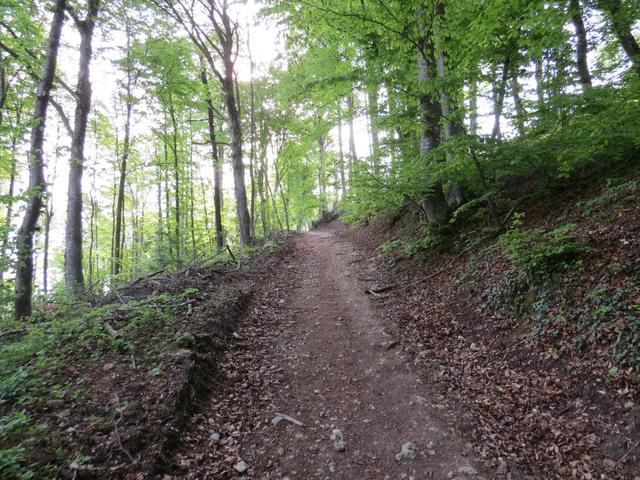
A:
{"x":315,"y":357}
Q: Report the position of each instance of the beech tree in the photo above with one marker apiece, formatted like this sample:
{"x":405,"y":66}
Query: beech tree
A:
{"x":73,"y":271}
{"x":24,"y":239}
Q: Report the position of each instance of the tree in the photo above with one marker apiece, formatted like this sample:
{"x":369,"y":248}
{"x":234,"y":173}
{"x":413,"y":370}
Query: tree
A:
{"x":216,"y":38}
{"x":73,"y":268}
{"x":24,"y":240}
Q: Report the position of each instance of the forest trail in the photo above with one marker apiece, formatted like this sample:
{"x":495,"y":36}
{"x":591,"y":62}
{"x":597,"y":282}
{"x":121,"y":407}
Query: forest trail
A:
{"x":345,"y":377}
{"x":339,"y":369}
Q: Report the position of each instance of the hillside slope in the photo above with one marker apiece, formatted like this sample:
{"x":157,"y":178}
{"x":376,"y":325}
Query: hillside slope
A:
{"x":531,"y":334}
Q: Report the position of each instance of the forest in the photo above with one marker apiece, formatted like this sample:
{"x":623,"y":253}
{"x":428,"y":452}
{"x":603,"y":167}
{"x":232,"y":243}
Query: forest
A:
{"x":171,"y":168}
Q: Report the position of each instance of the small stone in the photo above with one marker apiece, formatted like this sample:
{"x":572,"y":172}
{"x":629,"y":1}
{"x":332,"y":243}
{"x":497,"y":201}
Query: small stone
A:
{"x":214,"y":437}
{"x":236,"y":336}
{"x":339,"y":444}
{"x":108,"y":366}
{"x":276,"y":420}
{"x":467,"y":470}
{"x":241,"y":466}
{"x":407,"y":452}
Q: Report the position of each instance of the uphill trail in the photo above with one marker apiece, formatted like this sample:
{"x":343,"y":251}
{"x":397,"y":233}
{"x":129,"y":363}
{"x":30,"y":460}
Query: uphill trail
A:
{"x":317,"y":387}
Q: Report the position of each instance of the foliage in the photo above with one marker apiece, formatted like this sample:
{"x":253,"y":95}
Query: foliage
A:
{"x":614,"y":193}
{"x":540,"y":253}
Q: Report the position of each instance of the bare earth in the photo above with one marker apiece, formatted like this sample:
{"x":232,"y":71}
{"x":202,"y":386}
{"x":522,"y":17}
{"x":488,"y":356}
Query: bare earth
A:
{"x":319,"y":389}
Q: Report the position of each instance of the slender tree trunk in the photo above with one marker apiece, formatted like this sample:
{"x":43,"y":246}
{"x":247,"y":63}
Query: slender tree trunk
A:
{"x":73,"y":268}
{"x":48,"y":217}
{"x":176,"y":182}
{"x":341,"y":166}
{"x":92,"y":222}
{"x":517,"y":100}
{"x":160,"y":231}
{"x":499,"y":94}
{"x":252,"y":156}
{"x":353,"y":157}
{"x":575,"y":10}
{"x":374,"y":114}
{"x":539,"y":76}
{"x":24,"y":240}
{"x":119,"y":213}
{"x":473,"y":107}
{"x":217,"y":163}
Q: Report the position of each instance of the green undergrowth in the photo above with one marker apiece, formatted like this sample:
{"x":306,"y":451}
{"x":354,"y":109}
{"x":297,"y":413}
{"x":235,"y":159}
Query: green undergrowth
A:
{"x":31,"y":363}
{"x":35,"y":356}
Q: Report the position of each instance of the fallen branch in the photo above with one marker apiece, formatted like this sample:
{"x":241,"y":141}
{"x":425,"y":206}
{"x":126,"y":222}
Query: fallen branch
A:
{"x":119,"y":438}
{"x":290,"y":419}
{"x":146,"y":277}
{"x":13,"y":332}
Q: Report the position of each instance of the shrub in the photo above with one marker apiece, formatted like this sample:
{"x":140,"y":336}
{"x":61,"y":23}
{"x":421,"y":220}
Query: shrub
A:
{"x":542,"y":253}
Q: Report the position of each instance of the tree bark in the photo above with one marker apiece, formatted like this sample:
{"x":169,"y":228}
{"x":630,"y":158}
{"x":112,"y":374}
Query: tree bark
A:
{"x":252,"y":155}
{"x":575,"y":10}
{"x":353,"y":157}
{"x":343,"y":181}
{"x":622,"y":28}
{"x":24,"y":240}
{"x":539,"y":76}
{"x":434,"y":203}
{"x":499,"y":94}
{"x":217,"y":164}
{"x":73,"y":268}
{"x":473,"y":107}
{"x":517,"y":100}
{"x":176,"y":183}
{"x":119,"y":213}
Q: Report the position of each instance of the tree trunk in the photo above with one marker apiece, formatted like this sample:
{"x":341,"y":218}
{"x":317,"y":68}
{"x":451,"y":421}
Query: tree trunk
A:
{"x":73,"y":269}
{"x":622,"y":28}
{"x":517,"y":100}
{"x":176,"y":183}
{"x":244,"y":221}
{"x":252,"y":156}
{"x":575,"y":10}
{"x":499,"y":94}
{"x":374,"y":112}
{"x":473,"y":107}
{"x":353,"y":157}
{"x":341,"y":166}
{"x":119,"y":213}
{"x":434,"y":204}
{"x":217,"y":164}
{"x":24,"y":240}
{"x":539,"y":76}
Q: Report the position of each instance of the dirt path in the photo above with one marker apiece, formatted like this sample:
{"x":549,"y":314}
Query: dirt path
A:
{"x":327,"y":361}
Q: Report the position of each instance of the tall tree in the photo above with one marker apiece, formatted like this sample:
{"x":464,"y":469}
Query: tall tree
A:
{"x":73,"y":267}
{"x":24,"y":240}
